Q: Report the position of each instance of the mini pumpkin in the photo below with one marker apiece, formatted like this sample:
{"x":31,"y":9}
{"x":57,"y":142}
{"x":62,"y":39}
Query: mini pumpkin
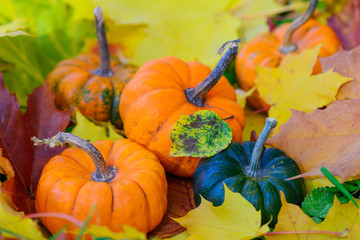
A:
{"x":163,"y":90}
{"x":91,"y":84}
{"x":268,"y":49}
{"x":258,"y":174}
{"x":125,"y":182}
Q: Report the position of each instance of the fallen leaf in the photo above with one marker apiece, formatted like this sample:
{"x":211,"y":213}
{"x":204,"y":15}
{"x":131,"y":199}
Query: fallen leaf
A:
{"x":42,"y":119}
{"x":329,"y":137}
{"x":236,"y":218}
{"x":12,"y":29}
{"x":13,"y":224}
{"x":170,"y":28}
{"x":344,"y":62}
{"x":180,"y":202}
{"x":241,"y":96}
{"x":347,"y":64}
{"x":5,"y":167}
{"x":103,"y":232}
{"x":291,"y":85}
{"x":292,"y":218}
{"x":90,"y":131}
{"x":52,"y":36}
{"x":346,"y":23}
{"x":253,"y":122}
{"x":201,"y":134}
{"x":253,"y":16}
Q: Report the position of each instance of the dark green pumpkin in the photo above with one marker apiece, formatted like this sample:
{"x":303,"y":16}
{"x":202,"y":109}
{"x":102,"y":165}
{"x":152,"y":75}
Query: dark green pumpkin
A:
{"x":260,"y":183}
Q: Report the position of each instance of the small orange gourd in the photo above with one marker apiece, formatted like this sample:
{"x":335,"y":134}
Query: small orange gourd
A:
{"x":268,"y":49}
{"x":125,"y":182}
{"x":163,"y":90}
{"x":93,"y":87}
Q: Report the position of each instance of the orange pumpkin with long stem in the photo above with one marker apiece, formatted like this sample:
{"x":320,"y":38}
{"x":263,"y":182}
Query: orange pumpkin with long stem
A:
{"x":268,"y":49}
{"x":125,"y":182}
{"x":93,"y":87}
{"x":163,"y":90}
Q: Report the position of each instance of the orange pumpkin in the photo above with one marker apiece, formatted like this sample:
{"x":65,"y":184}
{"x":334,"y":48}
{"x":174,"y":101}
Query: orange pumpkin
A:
{"x":125,"y":181}
{"x":163,"y":90}
{"x":91,"y":84}
{"x":268,"y":49}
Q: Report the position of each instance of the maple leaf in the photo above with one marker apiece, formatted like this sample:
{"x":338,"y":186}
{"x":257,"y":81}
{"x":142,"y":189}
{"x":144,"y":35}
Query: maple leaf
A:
{"x":88,"y":130}
{"x":253,"y":122}
{"x":41,"y":119}
{"x":328,"y":137}
{"x":5,"y":167}
{"x":170,"y":28}
{"x":236,"y":218}
{"x":291,"y":85}
{"x":345,"y":24}
{"x":340,"y":219}
{"x":13,"y":224}
{"x":347,"y":64}
{"x":180,"y":202}
{"x":47,"y":40}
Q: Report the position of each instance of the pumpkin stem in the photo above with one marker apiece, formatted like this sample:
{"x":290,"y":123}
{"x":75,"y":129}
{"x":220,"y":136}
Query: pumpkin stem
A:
{"x":259,"y":147}
{"x":196,"y":94}
{"x":104,"y":69}
{"x":101,"y":174}
{"x":288,"y":46}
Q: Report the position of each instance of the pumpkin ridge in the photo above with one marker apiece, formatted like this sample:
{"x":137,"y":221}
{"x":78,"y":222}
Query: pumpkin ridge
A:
{"x":148,"y":220}
{"x":55,"y":186}
{"x":75,"y":170}
{"x":70,"y":157}
{"x":181,"y":82}
{"x":150,"y":126}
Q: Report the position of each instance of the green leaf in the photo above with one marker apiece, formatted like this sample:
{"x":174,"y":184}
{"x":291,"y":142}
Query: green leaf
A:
{"x":201,"y":134}
{"x":318,"y":203}
{"x":342,"y":189}
{"x":90,"y":131}
{"x":28,"y":57}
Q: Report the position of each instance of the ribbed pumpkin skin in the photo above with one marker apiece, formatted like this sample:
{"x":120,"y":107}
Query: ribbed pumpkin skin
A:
{"x":263,"y":192}
{"x":154,"y":99}
{"x":96,"y":97}
{"x":264,"y":51}
{"x":137,"y":196}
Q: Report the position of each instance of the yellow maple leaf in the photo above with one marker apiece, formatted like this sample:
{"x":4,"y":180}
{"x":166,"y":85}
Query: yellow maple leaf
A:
{"x":291,"y":85}
{"x":342,"y":220}
{"x":236,"y":218}
{"x":104,"y":232}
{"x":190,"y":30}
{"x":89,"y":131}
{"x":13,"y":224}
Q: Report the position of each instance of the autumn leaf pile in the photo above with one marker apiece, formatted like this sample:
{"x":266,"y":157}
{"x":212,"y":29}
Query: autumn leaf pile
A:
{"x":318,"y":115}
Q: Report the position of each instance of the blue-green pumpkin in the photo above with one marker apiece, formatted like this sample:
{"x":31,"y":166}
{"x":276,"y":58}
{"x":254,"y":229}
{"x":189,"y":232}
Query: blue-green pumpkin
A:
{"x":257,"y":173}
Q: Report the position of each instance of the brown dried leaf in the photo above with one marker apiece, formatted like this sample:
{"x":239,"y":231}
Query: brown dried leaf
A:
{"x":180,"y":202}
{"x":329,"y":137}
{"x":347,"y":64}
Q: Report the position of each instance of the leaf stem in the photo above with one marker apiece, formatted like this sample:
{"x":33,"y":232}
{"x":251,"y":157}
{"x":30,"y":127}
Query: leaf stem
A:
{"x":102,"y":173}
{"x":288,"y":46}
{"x":104,"y":69}
{"x":259,"y":147}
{"x":196,"y":94}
